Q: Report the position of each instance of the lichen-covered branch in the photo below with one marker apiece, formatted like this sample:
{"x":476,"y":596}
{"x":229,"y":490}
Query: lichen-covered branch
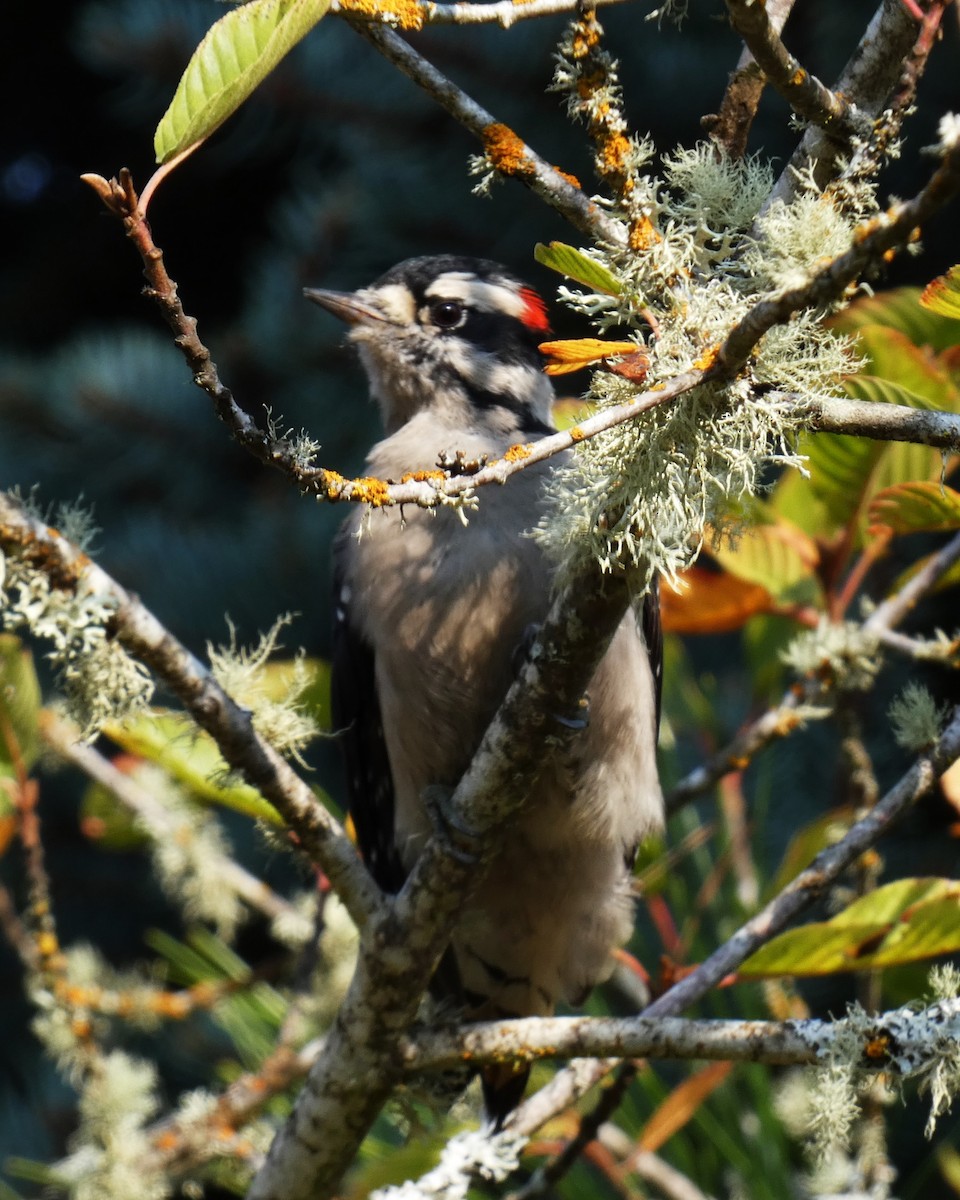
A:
{"x":776,"y":1043}
{"x":504,"y":13}
{"x":506,"y":151}
{"x":361,"y":1060}
{"x":314,"y":829}
{"x":810,"y":884}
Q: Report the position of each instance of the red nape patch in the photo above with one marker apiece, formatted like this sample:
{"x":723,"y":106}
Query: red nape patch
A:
{"x":534,"y":314}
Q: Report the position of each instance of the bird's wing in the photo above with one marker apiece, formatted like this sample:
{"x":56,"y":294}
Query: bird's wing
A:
{"x":653,"y":636}
{"x":359,"y":725}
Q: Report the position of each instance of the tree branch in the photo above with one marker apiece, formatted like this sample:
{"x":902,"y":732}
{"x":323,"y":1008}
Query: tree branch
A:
{"x":361,"y":1059}
{"x":867,"y":83}
{"x":231,"y":726}
{"x":805,"y":94}
{"x":812,"y":882}
{"x":507,"y":152}
{"x":776,"y":1043}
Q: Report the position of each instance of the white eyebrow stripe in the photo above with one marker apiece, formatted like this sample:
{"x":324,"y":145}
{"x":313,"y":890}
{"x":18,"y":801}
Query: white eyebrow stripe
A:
{"x":477,"y":293}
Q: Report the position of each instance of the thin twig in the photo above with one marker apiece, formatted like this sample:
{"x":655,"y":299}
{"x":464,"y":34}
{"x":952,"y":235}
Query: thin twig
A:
{"x":730,"y":126}
{"x":805,"y":94}
{"x":502,"y":12}
{"x":507,"y":152}
{"x":64,"y":739}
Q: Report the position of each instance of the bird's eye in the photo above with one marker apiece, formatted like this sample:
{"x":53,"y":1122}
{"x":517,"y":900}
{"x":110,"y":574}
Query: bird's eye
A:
{"x":446,"y":314}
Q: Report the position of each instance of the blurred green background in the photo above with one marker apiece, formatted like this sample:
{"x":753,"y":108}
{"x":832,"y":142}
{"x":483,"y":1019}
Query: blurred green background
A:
{"x":335,"y":170}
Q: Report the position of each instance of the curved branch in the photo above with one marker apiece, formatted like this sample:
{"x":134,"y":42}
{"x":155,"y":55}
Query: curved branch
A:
{"x":229,"y":725}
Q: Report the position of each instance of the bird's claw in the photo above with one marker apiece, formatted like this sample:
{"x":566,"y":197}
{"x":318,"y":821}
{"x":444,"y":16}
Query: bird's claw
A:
{"x":458,"y":839}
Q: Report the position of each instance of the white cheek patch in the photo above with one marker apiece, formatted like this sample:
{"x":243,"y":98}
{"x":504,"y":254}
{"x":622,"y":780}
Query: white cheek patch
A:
{"x":477,"y":293}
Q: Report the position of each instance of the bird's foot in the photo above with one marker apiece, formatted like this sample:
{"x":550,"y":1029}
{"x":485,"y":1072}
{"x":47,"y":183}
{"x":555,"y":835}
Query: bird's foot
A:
{"x":458,"y":839}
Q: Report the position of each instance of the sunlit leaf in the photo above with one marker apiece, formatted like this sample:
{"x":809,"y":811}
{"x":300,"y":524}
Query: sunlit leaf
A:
{"x":576,"y":265}
{"x":942,"y":296}
{"x":191,"y":757}
{"x":711,"y":602}
{"x":236,"y":54}
{"x":574,"y":355}
{"x":904,"y":921}
{"x":779,"y":557}
{"x":19,"y":706}
{"x":916,"y":507}
{"x":895,"y":358}
{"x":681,"y":1105}
{"x":899,"y":309}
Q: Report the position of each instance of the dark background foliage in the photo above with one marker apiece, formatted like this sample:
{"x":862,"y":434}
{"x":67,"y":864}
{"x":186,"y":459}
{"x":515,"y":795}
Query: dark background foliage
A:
{"x":337,"y":169}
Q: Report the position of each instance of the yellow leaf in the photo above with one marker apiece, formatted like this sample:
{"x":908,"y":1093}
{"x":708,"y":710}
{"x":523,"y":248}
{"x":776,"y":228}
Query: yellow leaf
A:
{"x":581,"y":352}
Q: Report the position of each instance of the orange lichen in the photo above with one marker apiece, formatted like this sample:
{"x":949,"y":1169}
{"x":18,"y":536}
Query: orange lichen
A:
{"x":571,"y":179}
{"x":403,"y":14}
{"x":642,"y":234}
{"x":613,"y":153}
{"x":586,"y":36}
{"x":576,"y":434}
{"x":371,"y":491}
{"x":877,"y":1047}
{"x":332,"y":484}
{"x":707,"y":359}
{"x":506,"y":151}
{"x":424,"y":477}
{"x":798,"y":76}
{"x":518,"y":453}
{"x":47,"y":944}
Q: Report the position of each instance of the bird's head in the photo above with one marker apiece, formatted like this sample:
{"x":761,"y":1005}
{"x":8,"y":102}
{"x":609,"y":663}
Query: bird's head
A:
{"x":452,"y":334}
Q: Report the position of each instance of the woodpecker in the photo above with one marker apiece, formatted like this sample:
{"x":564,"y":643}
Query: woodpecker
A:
{"x":429,"y":619}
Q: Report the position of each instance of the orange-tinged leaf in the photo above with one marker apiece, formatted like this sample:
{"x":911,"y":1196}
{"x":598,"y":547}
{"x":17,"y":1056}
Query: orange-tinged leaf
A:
{"x":779,"y":557}
{"x":943,"y":294}
{"x":578,"y":353}
{"x":712,"y":602}
{"x":681,"y":1105}
{"x":916,"y":507}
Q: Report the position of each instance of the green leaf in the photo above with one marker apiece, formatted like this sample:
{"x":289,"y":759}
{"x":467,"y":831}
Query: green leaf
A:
{"x":576,"y":265}
{"x":190,"y":756}
{"x":902,"y":922}
{"x":899,"y":309}
{"x":916,"y":507}
{"x":943,"y":295}
{"x":238,"y":52}
{"x":894,"y":357}
{"x":19,"y":706}
{"x":779,"y":557}
{"x":845,"y":472}
{"x":806,"y":844}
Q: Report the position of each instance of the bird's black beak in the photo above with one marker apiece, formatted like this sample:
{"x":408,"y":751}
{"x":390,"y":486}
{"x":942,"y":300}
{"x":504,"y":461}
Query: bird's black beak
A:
{"x":345,"y":305}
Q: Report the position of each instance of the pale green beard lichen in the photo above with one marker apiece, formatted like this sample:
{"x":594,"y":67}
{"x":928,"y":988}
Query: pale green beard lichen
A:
{"x":698,"y":256}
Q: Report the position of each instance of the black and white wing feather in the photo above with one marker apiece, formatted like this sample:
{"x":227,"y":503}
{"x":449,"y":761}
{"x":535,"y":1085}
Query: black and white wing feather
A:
{"x":359,"y":725}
